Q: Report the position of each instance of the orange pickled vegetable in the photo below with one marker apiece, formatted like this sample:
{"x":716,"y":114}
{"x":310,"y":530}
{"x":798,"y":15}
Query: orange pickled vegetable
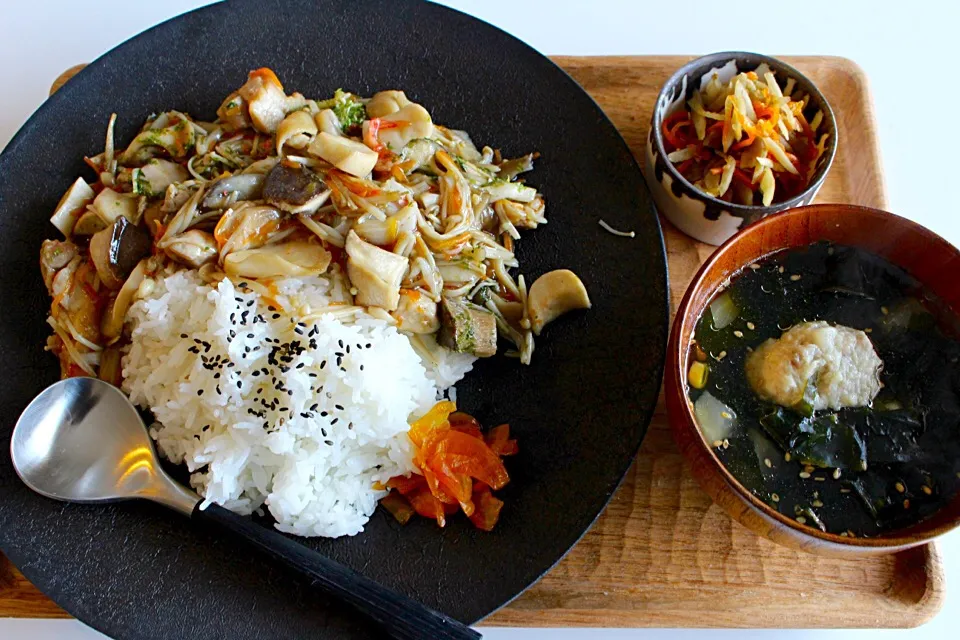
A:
{"x":459,"y":466}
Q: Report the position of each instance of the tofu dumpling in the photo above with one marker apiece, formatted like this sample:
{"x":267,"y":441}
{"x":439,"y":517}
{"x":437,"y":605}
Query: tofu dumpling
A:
{"x":841,"y":363}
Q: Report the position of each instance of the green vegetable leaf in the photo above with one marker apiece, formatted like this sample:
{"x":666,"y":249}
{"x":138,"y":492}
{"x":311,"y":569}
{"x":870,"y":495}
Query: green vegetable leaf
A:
{"x":829,"y":443}
{"x":347,"y":107}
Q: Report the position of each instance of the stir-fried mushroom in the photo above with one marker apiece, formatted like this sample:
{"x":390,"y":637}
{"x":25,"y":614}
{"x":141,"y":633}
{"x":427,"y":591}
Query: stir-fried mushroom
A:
{"x":554,"y":294}
{"x":375,"y":273}
{"x":116,"y":251}
{"x":194,"y":248}
{"x":345,"y":154}
{"x":225,"y":191}
{"x":72,"y":206}
{"x":288,"y":260}
{"x":407,"y":218}
{"x":111,"y":205}
{"x":416,"y":313}
{"x":295,"y":189}
{"x":55,"y":255}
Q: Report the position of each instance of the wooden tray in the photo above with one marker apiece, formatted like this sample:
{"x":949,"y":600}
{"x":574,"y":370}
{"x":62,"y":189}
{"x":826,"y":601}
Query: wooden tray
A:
{"x":662,"y":555}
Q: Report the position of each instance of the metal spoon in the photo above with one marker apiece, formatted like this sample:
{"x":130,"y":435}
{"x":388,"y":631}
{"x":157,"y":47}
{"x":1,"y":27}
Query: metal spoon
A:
{"x":81,"y":440}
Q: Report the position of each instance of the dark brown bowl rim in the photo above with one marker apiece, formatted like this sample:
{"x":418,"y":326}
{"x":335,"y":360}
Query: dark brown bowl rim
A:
{"x":676,"y":375}
{"x":718,"y":59}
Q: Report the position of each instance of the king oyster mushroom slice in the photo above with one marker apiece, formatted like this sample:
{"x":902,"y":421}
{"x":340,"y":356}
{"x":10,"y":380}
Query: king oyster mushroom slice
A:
{"x":327,"y":122}
{"x":346,"y":154}
{"x":412,"y":121}
{"x":296,"y":130}
{"x":110,"y":205}
{"x":383,"y":103}
{"x":288,"y":259}
{"x":416,"y":313}
{"x":247,"y":226}
{"x":467,"y":328}
{"x":554,"y":294}
{"x":194,"y":248}
{"x":226,"y":191}
{"x":295,"y":189}
{"x":115,"y":251}
{"x":265,"y":100}
{"x":72,"y":206}
{"x":375,"y":272}
{"x":153,"y":178}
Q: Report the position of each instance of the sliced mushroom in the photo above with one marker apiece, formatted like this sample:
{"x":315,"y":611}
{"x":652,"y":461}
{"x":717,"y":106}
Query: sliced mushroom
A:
{"x":289,"y":259}
{"x":385,"y":232}
{"x":383,"y":103}
{"x":266,"y":101}
{"x":416,"y":313}
{"x":111,"y":325}
{"x":171,"y":132}
{"x":55,"y":255}
{"x":89,"y":223}
{"x":295,"y":189}
{"x":156,"y":175}
{"x":413,"y":121}
{"x":345,"y":154}
{"x":247,"y":226}
{"x":296,"y":130}
{"x":72,"y":206}
{"x":111,"y":205}
{"x":176,"y":196}
{"x":233,"y":112}
{"x":183,"y":219}
{"x":194,"y":248}
{"x":226,"y":191}
{"x":115,"y":251}
{"x":467,"y":328}
{"x":375,"y":273}
{"x":554,"y":294}
{"x":327,"y":121}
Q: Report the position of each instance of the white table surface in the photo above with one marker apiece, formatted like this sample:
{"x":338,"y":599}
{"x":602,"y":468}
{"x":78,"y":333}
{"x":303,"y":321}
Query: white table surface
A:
{"x":906,"y":50}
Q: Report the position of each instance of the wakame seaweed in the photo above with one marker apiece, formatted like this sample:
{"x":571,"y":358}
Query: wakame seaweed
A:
{"x":857,"y":471}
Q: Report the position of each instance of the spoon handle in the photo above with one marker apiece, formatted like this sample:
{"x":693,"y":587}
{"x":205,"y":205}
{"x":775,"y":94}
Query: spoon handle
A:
{"x":401,"y":617}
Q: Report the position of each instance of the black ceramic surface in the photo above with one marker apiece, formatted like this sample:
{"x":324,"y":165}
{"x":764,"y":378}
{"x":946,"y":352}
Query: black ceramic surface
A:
{"x":579,"y":411}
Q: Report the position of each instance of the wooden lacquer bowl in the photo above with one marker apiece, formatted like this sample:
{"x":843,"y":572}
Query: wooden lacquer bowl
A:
{"x":927,"y":257}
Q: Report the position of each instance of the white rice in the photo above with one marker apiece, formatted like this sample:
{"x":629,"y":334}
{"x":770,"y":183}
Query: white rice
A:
{"x":304,"y":436}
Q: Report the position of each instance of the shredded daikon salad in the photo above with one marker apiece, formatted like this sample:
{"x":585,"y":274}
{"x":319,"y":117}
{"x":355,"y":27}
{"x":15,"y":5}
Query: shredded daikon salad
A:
{"x":746,"y":141}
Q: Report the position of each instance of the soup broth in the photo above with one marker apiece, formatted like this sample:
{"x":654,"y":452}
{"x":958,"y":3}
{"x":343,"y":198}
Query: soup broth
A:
{"x":854,"y":471}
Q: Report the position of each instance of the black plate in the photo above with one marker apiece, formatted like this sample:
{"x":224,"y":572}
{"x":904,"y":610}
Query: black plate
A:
{"x":579,"y":411}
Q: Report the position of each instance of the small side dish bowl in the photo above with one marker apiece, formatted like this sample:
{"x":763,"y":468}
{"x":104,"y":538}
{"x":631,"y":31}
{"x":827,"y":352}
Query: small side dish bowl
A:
{"x":922,"y":254}
{"x":702,"y":216}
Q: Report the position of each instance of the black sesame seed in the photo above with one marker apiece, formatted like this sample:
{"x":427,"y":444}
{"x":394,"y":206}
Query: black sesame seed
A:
{"x":239,"y":384}
{"x":275,"y":316}
{"x":216,"y":376}
{"x":184,"y":336}
{"x":340,"y":342}
{"x":250,"y":336}
{"x":361,"y":367}
{"x":313,"y":407}
{"x":199,"y":392}
{"x":323,"y":414}
{"x":301,"y":365}
{"x":334,"y":421}
{"x":338,"y":407}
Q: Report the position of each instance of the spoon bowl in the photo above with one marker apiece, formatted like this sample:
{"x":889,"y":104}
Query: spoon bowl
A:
{"x":81,"y":440}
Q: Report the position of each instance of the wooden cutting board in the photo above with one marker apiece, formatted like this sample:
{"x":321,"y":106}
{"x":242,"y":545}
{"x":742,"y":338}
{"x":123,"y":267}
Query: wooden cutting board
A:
{"x":662,"y":555}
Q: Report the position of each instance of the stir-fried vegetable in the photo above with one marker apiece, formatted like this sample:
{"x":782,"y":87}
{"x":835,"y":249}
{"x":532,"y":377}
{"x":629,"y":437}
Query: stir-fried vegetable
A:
{"x":747,"y":140}
{"x":459,"y":468}
{"x":399,"y":213}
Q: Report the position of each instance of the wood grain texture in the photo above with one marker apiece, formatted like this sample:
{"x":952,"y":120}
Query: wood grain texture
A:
{"x":662,"y":555}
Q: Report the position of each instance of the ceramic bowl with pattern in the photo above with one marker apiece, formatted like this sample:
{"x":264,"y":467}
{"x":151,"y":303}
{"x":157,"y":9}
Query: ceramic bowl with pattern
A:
{"x":694,"y":212}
